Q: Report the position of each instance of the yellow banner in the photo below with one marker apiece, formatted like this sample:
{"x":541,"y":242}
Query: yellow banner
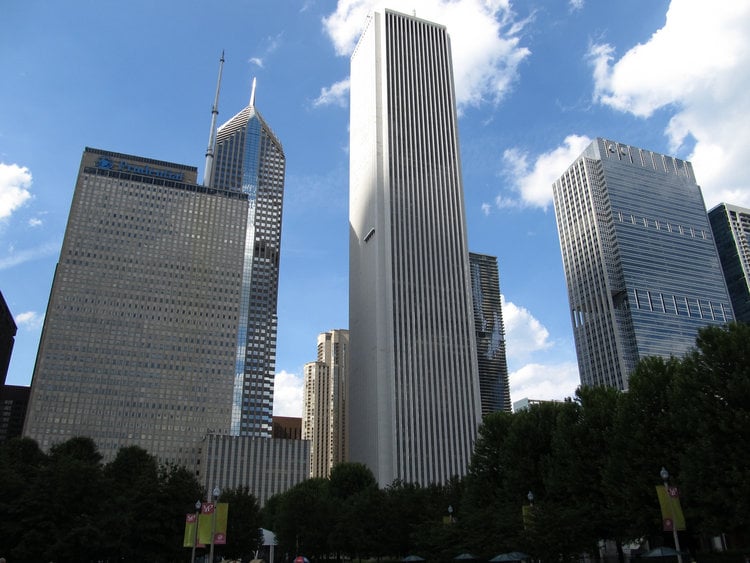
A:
{"x":190,"y":524}
{"x":206,"y":522}
{"x":671,"y":510}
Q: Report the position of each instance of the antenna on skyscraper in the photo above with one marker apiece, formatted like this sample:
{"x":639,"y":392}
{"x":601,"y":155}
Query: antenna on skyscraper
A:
{"x":252,"y":94}
{"x":212,"y":134}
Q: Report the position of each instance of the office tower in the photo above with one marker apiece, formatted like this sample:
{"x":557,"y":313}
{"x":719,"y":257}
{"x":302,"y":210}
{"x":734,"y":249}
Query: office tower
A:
{"x":14,"y":399}
{"x":7,"y":337}
{"x":250,"y":159}
{"x":490,"y":334}
{"x":731,"y":227}
{"x":324,"y":420}
{"x":287,"y":427}
{"x":414,"y":389}
{"x":140,"y":331}
{"x":641,"y":266}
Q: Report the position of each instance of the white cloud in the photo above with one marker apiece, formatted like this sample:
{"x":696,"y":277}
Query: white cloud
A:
{"x":532,"y":182}
{"x":30,"y":320}
{"x":544,"y":382}
{"x":14,"y":258}
{"x":257,"y":61}
{"x":287,"y":394}
{"x":485,"y":40}
{"x":35,"y":222}
{"x":336,"y":94}
{"x":575,"y":4}
{"x":698,"y":67}
{"x":524,"y":334}
{"x":15,"y":184}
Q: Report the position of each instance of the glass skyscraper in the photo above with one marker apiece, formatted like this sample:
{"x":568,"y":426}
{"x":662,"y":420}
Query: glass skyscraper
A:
{"x":488,"y":322}
{"x":414,"y":403}
{"x":640,"y":262}
{"x":731,"y":228}
{"x":250,"y":160}
{"x":141,"y":325}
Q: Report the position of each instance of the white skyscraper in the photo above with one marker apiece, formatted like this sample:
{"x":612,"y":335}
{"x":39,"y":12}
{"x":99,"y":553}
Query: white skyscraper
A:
{"x":414,"y":390}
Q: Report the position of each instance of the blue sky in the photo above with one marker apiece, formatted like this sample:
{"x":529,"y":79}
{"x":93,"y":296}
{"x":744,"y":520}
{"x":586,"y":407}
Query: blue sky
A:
{"x":536,"y":80}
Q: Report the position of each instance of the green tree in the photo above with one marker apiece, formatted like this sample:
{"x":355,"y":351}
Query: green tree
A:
{"x":304,"y":518}
{"x":244,"y":536}
{"x":711,"y":402}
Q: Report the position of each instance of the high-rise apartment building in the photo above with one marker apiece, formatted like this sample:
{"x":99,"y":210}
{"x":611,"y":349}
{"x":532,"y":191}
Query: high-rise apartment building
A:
{"x":414,"y":400}
{"x":640,"y":262}
{"x":250,"y":160}
{"x":324,"y":421}
{"x":141,"y":327}
{"x":731,"y":227}
{"x":494,"y":388}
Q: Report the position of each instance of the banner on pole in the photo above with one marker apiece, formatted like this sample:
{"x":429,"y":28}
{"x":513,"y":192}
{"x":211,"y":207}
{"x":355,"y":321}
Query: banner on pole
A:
{"x":190,"y":524}
{"x":205,"y":523}
{"x":671,"y":510}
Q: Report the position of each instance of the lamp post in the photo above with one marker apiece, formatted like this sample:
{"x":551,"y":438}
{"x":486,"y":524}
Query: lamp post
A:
{"x":664,"y":474}
{"x":450,"y":513}
{"x":195,"y":535}
{"x":530,"y":496}
{"x":216,"y":492}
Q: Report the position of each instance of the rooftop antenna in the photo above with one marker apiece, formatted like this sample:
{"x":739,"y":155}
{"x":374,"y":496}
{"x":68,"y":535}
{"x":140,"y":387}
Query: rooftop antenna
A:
{"x":212,"y":134}
{"x":252,"y":94}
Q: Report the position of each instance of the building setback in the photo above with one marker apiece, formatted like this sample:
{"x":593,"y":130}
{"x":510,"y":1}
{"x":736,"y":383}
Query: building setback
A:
{"x":414,"y":389}
{"x":250,"y":160}
{"x":731,"y":228}
{"x":138,"y":338}
{"x":494,"y":388}
{"x":324,"y":422}
{"x":640,"y":262}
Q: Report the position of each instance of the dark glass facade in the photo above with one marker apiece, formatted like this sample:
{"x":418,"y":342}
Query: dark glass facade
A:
{"x":731,"y":228}
{"x":488,"y":324}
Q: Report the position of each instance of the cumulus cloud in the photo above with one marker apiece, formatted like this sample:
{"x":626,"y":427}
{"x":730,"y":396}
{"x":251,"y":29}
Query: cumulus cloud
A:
{"x":15,"y":184}
{"x":336,"y":94}
{"x":287,"y":394}
{"x":698,"y":67}
{"x":531,"y":182}
{"x":485,"y":40}
{"x":35,"y":222}
{"x":30,"y":320}
{"x":544,"y":382}
{"x":524,"y":334}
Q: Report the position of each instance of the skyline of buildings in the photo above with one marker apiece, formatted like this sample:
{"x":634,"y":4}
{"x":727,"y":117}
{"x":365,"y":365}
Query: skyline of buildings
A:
{"x":731,"y":227}
{"x":240,"y":140}
{"x":414,"y":385}
{"x":494,"y":387}
{"x":324,"y":403}
{"x":641,"y":266}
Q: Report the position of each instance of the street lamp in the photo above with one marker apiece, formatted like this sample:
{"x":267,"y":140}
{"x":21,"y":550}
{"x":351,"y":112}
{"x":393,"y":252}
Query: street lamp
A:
{"x":195,"y":535}
{"x":450,"y":513}
{"x":664,"y":474}
{"x":216,"y":492}
{"x":530,"y":496}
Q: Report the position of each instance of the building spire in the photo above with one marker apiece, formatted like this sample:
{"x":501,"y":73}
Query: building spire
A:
{"x":252,"y":94}
{"x":212,"y":134}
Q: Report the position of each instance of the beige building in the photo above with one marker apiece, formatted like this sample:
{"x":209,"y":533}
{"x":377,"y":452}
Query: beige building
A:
{"x":324,"y":421}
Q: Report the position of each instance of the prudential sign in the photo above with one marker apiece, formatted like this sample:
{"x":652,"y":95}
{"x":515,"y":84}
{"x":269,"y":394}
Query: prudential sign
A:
{"x":124,"y":166}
